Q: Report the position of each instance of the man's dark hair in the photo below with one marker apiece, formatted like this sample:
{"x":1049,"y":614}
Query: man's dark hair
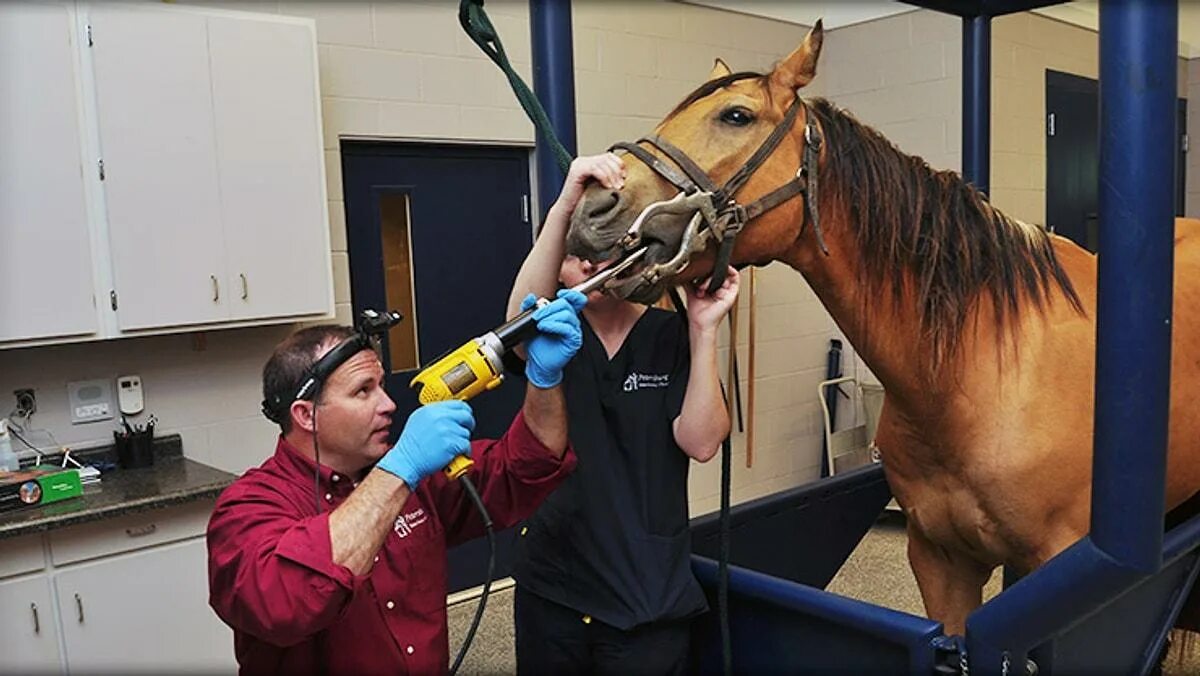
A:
{"x":289,"y":365}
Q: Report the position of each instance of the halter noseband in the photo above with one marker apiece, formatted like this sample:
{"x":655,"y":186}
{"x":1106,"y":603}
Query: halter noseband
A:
{"x":716,"y":206}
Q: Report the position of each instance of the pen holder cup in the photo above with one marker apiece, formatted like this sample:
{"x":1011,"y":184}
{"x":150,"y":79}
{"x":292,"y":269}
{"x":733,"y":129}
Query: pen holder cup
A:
{"x":135,"y":450}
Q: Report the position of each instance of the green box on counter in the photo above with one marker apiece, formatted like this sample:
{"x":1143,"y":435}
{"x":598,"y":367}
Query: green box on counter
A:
{"x":39,"y":485}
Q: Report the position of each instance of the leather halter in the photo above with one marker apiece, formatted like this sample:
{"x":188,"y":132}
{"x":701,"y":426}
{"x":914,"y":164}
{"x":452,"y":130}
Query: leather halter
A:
{"x":725,"y":217}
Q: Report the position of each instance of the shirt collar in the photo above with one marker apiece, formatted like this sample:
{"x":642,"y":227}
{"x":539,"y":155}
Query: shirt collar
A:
{"x":296,"y":464}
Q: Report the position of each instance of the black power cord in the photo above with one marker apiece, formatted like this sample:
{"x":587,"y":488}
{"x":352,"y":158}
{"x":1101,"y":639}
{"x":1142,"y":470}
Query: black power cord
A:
{"x":469,"y":487}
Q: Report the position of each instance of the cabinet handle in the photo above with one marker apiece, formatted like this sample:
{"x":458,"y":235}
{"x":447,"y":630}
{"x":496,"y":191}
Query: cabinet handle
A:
{"x":79,"y":606}
{"x":141,"y":530}
{"x":245,"y":286}
{"x":37,"y":625}
{"x":216,"y":288}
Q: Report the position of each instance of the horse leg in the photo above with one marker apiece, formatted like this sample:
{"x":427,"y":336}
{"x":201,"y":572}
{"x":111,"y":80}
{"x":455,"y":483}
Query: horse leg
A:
{"x":951,"y":584}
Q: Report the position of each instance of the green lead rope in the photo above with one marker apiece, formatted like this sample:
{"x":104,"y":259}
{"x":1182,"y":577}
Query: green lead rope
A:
{"x":481,"y":31}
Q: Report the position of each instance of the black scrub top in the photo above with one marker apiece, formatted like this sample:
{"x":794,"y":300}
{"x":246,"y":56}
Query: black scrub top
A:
{"x":612,"y":541}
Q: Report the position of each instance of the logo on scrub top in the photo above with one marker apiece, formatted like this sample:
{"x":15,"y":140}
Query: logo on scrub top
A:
{"x":643,"y":381}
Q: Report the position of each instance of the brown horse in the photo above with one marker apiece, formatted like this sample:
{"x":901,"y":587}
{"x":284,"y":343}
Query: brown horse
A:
{"x":980,"y":327}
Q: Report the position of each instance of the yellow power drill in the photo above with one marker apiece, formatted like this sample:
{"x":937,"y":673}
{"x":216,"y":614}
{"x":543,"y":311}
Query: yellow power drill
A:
{"x":476,"y":366}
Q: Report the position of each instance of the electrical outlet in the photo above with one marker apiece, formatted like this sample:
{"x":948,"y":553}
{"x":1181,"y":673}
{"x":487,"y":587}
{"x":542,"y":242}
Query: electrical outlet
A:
{"x":26,"y":402}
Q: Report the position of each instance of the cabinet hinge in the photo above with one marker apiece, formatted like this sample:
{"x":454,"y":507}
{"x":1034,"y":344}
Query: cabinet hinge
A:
{"x":1050,"y":124}
{"x":89,"y":35}
{"x":1184,"y":142}
{"x":112,"y":299}
{"x":100,"y":166}
{"x":524,"y":208}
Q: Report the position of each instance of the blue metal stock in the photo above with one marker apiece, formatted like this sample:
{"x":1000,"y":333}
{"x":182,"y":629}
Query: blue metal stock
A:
{"x":976,"y":101}
{"x":554,"y":85}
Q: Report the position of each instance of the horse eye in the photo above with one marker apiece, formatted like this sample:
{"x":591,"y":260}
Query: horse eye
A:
{"x":738,"y":117}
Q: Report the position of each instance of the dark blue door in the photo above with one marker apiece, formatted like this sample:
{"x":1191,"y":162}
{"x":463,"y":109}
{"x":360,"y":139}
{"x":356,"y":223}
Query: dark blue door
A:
{"x":439,"y":232}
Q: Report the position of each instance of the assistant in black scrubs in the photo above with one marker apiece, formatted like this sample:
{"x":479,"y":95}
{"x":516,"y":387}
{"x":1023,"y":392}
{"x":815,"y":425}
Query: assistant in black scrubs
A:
{"x":604,"y":582}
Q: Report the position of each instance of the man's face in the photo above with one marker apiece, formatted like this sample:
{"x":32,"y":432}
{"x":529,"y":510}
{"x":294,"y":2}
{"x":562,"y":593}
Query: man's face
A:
{"x":354,"y":417}
{"x":576,"y":270}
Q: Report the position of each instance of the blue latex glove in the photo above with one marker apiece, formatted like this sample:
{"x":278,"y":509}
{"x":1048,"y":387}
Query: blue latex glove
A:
{"x":559,"y":337}
{"x":433,"y":435}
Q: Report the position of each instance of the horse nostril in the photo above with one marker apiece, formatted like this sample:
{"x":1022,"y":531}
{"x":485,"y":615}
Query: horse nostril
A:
{"x":602,"y":203}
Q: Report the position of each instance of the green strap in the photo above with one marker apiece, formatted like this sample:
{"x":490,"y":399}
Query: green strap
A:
{"x":477,"y":25}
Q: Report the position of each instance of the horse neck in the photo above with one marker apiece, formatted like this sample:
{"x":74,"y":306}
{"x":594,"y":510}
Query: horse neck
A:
{"x":885,"y":332}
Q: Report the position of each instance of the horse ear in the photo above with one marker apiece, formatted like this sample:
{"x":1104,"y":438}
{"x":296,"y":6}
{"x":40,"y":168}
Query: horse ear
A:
{"x":720,"y":69}
{"x":799,"y":68}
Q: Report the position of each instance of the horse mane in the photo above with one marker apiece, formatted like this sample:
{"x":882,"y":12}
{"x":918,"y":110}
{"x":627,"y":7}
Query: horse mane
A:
{"x":911,"y":218}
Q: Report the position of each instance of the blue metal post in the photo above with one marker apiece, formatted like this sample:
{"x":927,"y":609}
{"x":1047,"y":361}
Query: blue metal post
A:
{"x":1133,"y":350}
{"x":976,"y":101}
{"x":554,"y":85}
{"x":1138,"y":42}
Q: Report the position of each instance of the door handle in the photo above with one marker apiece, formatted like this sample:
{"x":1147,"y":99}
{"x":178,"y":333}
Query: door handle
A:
{"x":37,"y":625}
{"x":245,"y":286}
{"x":216,"y":288}
{"x":79,"y":607}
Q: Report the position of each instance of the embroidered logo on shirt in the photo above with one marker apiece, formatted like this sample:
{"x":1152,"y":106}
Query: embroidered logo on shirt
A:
{"x":642,"y":381}
{"x":405,"y":523}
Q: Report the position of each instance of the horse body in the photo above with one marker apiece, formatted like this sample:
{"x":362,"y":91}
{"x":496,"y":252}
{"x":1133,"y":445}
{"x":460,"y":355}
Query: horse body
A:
{"x":980,"y":328}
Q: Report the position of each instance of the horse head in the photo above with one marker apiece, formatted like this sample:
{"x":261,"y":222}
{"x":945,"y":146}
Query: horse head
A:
{"x":736,"y":139}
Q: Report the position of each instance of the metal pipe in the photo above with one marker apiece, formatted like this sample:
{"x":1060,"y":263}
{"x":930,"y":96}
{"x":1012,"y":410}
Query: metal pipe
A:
{"x":1138,"y":42}
{"x":976,"y":101}
{"x":554,"y":85}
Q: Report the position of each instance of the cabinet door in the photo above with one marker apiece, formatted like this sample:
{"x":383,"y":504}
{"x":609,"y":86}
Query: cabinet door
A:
{"x":144,"y":611}
{"x":154,"y":103}
{"x":46,"y":286}
{"x":28,"y":635}
{"x":269,"y":159}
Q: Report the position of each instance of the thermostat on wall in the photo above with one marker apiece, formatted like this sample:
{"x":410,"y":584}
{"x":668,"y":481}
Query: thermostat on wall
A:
{"x":90,"y":400}
{"x":129,"y":394}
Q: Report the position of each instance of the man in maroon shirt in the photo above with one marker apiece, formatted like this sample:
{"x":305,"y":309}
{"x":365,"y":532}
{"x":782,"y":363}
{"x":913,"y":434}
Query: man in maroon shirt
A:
{"x":357,"y":585}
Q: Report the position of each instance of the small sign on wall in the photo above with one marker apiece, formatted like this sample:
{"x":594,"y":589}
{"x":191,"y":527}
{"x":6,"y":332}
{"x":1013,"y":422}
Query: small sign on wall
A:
{"x":90,"y":400}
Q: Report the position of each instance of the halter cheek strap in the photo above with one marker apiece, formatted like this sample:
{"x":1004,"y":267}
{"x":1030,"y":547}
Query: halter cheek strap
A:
{"x":731,"y":216}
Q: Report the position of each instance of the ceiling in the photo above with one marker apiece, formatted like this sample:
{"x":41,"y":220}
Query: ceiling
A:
{"x":837,"y":14}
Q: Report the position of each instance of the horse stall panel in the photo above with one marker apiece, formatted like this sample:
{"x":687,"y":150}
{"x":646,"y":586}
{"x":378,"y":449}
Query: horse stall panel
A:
{"x":778,"y":626}
{"x":822,"y":523}
{"x":1127,"y":632}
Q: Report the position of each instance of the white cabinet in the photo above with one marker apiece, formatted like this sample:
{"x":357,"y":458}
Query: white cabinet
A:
{"x":210,"y":134}
{"x":46,"y":284}
{"x":28,"y":635}
{"x":272,"y":189}
{"x":146,"y":611}
{"x":162,"y":170}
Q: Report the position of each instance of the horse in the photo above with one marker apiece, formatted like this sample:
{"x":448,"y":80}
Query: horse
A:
{"x":980,"y":327}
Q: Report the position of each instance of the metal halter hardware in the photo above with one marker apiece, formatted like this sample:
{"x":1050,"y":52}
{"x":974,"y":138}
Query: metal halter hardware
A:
{"x":715,"y":211}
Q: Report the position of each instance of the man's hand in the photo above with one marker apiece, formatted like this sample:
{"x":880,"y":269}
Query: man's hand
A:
{"x":607,"y":169}
{"x":706,"y":311}
{"x":559,"y":337}
{"x":432,"y":437}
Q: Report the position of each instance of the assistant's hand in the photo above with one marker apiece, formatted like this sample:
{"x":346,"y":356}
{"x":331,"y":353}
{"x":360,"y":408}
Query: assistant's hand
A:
{"x":606,"y":168}
{"x":432,"y":437}
{"x":706,"y":311}
{"x":559,"y":337}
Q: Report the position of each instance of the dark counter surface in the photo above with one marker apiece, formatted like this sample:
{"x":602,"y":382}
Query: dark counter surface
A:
{"x":171,"y":480}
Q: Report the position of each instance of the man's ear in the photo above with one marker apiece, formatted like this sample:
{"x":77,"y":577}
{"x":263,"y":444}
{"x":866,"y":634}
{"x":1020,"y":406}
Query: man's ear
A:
{"x":719,"y":69}
{"x":800,"y":67}
{"x":302,"y":415}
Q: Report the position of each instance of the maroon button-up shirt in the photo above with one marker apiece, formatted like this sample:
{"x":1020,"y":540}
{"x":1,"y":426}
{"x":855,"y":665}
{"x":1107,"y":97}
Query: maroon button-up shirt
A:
{"x":294,"y":611}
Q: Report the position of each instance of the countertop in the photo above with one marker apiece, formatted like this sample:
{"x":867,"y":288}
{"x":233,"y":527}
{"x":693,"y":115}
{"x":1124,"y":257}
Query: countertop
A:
{"x":171,"y":480}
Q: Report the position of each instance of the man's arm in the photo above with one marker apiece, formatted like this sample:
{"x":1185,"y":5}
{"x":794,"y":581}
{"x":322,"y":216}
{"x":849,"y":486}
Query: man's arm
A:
{"x":359,"y":526}
{"x":539,"y":272}
{"x":546,"y":414}
{"x":703,"y":421}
